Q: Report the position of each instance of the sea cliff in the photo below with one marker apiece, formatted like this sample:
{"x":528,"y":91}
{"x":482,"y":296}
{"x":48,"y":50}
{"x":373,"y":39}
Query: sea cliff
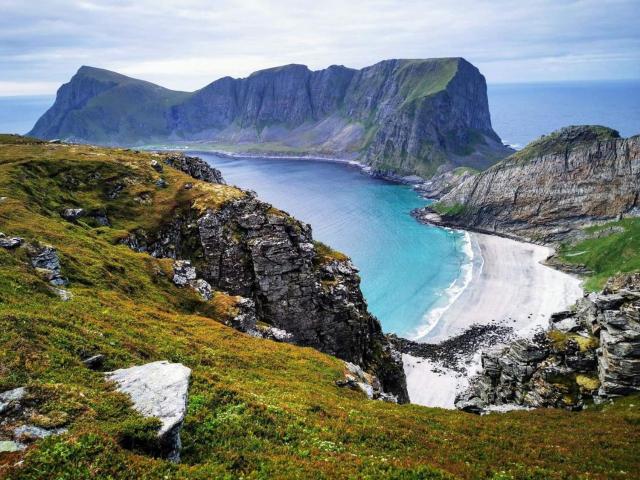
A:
{"x":398,"y":116}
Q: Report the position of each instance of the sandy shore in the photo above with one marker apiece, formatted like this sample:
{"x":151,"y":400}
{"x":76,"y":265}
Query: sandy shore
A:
{"x":509,"y":286}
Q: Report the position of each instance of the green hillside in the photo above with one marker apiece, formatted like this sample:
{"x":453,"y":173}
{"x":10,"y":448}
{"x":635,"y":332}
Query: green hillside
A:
{"x":257,"y":409}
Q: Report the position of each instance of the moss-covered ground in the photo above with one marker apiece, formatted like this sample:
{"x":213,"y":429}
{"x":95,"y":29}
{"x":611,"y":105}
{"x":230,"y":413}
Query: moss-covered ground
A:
{"x":257,"y":409}
{"x":608,"y":250}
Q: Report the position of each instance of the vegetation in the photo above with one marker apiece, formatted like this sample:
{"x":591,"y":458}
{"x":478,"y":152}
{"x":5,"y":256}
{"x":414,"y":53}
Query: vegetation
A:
{"x":609,"y":249}
{"x":452,"y":210}
{"x":257,"y":409}
{"x":422,"y":78}
{"x":563,"y":140}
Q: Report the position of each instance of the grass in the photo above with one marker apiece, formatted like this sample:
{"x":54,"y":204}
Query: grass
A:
{"x":606,"y":255}
{"x":563,"y":140}
{"x":257,"y":409}
{"x":421,"y":78}
{"x":453,"y":210}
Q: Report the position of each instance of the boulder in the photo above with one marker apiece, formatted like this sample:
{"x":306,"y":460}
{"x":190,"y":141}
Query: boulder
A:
{"x":10,"y":242}
{"x":8,"y":446}
{"x":11,"y":398}
{"x":72,"y":214}
{"x":44,"y":259}
{"x":158,"y":389}
{"x":183,"y":272}
{"x":195,"y":167}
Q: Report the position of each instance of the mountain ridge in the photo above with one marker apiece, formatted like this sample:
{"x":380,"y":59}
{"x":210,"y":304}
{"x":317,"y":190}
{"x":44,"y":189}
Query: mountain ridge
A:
{"x":407,"y":116}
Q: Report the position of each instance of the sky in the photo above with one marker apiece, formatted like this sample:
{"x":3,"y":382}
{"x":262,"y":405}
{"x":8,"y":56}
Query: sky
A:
{"x":186,"y":44}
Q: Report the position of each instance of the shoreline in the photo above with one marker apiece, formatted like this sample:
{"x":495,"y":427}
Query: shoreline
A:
{"x":509,"y":288}
{"x":411,"y":180}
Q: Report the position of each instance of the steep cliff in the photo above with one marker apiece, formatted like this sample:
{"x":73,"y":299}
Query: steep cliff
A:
{"x":401,"y":116}
{"x":248,"y":248}
{"x":547,"y":192}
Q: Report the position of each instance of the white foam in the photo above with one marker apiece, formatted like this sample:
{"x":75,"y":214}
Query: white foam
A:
{"x":451,"y":293}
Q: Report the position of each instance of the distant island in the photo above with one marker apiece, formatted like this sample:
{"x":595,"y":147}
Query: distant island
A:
{"x":398,"y":116}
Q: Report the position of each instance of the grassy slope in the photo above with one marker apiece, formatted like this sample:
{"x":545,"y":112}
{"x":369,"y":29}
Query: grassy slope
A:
{"x":608,"y":251}
{"x":257,"y":409}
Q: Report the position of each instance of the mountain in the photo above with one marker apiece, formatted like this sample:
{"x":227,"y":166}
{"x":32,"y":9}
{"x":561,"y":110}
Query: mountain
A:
{"x":96,"y":284}
{"x":400,"y":116}
{"x":552,"y":189}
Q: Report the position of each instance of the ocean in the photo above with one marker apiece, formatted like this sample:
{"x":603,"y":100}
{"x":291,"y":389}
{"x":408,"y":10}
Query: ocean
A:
{"x":409,"y":271}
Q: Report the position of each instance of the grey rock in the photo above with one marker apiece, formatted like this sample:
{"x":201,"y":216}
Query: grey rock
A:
{"x":8,"y":446}
{"x":30,"y":433}
{"x":11,"y":398}
{"x":202,"y":287}
{"x":246,"y":248}
{"x":408,"y":130}
{"x":183,"y":272}
{"x":44,"y":258}
{"x":195,"y":167}
{"x":566,"y":367}
{"x":63,"y":294}
{"x":94,"y":362}
{"x":157,"y":166}
{"x":357,"y":379}
{"x":161,"y":183}
{"x":72,"y":214}
{"x":10,"y":242}
{"x":158,"y":389}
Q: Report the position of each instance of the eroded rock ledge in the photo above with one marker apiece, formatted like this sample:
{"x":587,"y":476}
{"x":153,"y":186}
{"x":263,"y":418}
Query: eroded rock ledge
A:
{"x":246,"y":247}
{"x":589,"y":353}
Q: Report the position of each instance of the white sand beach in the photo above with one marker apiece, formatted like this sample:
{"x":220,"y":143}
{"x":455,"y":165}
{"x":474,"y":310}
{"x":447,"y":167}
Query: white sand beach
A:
{"x":509,"y":286}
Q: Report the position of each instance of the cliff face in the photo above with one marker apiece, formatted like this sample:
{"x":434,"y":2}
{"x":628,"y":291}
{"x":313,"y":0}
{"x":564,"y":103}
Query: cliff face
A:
{"x":569,"y":179}
{"x":589,"y":353}
{"x":246,"y":247}
{"x":402,"y":116}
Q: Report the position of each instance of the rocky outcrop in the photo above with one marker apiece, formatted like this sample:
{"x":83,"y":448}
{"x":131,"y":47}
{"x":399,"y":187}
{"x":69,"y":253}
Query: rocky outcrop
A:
{"x":357,"y":379}
{"x":44,"y":258}
{"x":248,"y":248}
{"x":589,"y":353}
{"x":194,"y":167}
{"x":402,"y":116}
{"x":159,"y":390}
{"x":548,"y":191}
{"x":10,"y":242}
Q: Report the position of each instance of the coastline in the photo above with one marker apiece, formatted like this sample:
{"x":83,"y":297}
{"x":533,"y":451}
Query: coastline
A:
{"x":412,"y":180}
{"x":510,"y":287}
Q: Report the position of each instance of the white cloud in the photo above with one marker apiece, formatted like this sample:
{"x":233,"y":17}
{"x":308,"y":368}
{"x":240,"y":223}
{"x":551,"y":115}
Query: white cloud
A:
{"x":187,"y":44}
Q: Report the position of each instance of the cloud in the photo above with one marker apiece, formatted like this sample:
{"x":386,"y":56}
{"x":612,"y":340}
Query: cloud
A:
{"x":187,"y":44}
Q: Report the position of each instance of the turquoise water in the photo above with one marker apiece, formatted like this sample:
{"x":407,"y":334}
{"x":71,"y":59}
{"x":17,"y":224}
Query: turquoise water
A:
{"x":405,"y":266}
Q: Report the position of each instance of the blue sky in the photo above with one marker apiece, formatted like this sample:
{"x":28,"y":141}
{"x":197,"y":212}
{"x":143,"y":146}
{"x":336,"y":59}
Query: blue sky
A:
{"x":186,"y":44}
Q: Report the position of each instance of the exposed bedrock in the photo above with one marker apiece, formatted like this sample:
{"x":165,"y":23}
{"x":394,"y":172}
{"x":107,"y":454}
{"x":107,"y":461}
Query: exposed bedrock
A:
{"x":589,"y":353}
{"x":246,"y":247}
{"x":547,"y":192}
{"x":399,"y":116}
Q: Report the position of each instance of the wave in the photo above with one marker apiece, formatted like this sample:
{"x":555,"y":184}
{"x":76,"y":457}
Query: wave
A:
{"x":451,"y":293}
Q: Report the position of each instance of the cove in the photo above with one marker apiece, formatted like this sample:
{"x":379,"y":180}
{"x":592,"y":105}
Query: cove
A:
{"x":409,"y":271}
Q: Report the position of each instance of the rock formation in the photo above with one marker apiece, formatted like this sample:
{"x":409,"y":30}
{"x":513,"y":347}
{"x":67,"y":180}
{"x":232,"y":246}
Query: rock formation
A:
{"x":402,"y":116}
{"x":158,"y":389}
{"x":589,"y":353}
{"x":248,"y":248}
{"x":546,"y":192}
